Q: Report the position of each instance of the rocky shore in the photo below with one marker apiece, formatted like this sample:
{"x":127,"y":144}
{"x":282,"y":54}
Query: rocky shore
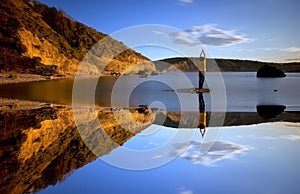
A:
{"x":12,"y":78}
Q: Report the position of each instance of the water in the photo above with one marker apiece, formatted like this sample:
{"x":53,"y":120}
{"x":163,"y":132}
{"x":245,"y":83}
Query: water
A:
{"x":243,"y":91}
{"x":265,"y":161}
{"x":256,"y":151}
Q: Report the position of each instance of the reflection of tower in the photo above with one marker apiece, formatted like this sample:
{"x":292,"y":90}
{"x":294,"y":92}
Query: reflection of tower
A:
{"x":202,"y":123}
{"x":202,"y":112}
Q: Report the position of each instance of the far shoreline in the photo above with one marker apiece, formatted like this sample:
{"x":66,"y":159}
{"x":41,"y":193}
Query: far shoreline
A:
{"x":18,"y":78}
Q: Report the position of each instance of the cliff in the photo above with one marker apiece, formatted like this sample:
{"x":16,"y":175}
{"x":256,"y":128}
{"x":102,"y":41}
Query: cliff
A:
{"x":37,"y":39}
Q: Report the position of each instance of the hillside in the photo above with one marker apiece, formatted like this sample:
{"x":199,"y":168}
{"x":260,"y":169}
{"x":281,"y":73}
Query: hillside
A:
{"x":189,"y":65}
{"x":37,"y":39}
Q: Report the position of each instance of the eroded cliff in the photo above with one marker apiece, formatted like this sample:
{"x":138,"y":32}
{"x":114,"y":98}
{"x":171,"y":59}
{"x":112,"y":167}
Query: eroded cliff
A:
{"x":37,"y":39}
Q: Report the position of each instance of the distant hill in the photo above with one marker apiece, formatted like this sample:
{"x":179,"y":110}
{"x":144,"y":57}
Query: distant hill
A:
{"x":37,"y":39}
{"x":190,"y":65}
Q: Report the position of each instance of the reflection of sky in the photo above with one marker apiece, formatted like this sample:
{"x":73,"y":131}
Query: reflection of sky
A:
{"x":270,"y":166}
{"x":220,"y":150}
{"x":150,"y":138}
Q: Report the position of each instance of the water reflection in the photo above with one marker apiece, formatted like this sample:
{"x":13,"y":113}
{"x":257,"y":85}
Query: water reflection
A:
{"x":244,"y":91}
{"x":270,"y":111}
{"x":39,"y":147}
{"x":40,"y":144}
{"x":220,"y":150}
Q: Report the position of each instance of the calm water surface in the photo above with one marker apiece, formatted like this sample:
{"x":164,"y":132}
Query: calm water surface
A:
{"x":42,"y":151}
{"x":243,"y":91}
{"x":260,"y":158}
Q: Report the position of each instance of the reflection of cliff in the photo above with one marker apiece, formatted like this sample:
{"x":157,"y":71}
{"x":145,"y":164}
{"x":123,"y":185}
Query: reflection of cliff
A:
{"x":45,"y":148}
{"x":41,"y":146}
{"x":189,"y":120}
{"x":131,"y":123}
{"x":177,"y":119}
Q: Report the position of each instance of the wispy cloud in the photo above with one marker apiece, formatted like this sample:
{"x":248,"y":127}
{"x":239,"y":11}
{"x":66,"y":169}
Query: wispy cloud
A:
{"x":157,"y":32}
{"x":291,"y":49}
{"x":268,"y":49}
{"x":185,"y":1}
{"x":209,"y":35}
{"x":288,"y":49}
{"x":184,"y":38}
{"x":219,"y":151}
{"x":292,"y":137}
{"x":185,"y":192}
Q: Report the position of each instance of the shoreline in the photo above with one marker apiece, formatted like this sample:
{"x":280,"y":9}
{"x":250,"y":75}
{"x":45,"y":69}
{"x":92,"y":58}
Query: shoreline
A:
{"x":16,"y":78}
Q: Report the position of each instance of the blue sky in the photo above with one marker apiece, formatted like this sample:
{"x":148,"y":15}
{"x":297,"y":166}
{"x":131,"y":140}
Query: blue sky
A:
{"x":265,"y":30}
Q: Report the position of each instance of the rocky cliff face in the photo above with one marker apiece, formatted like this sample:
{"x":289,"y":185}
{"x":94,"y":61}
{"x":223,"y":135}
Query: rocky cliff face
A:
{"x":41,"y":40}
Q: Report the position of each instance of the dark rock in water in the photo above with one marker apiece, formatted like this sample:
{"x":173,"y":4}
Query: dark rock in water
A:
{"x":190,"y":90}
{"x":269,"y":111}
{"x":141,"y":72}
{"x":269,"y":71}
{"x":142,"y":108}
{"x":154,"y":73}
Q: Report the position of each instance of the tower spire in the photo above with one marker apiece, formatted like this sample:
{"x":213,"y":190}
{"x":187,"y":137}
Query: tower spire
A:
{"x":202,"y":62}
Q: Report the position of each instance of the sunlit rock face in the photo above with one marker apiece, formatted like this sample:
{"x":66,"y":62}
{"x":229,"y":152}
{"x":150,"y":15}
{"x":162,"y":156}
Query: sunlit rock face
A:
{"x":37,"y":39}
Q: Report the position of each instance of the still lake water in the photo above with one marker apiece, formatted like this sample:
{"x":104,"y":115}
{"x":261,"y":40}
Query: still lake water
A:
{"x":243,"y":91}
{"x":251,"y":154}
{"x":266,"y":161}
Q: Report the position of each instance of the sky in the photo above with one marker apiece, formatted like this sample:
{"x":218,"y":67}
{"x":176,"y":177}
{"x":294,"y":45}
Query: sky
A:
{"x":263,"y":30}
